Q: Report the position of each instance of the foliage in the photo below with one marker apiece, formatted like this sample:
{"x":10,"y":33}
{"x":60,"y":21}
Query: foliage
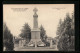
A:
{"x":26,"y":32}
{"x":65,"y":33}
{"x":7,"y":38}
{"x":59,"y":30}
{"x":43,"y":35}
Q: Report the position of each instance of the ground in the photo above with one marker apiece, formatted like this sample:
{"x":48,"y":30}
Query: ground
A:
{"x":36,"y":49}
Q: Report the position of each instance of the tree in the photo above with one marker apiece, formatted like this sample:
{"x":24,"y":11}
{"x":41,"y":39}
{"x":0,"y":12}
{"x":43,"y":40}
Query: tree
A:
{"x":43,"y":35}
{"x":26,"y":32}
{"x":7,"y":38}
{"x":65,"y":39}
{"x":72,"y":42}
{"x":59,"y":28}
{"x":72,"y":24}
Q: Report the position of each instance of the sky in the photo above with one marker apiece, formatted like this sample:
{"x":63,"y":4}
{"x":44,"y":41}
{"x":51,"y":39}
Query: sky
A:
{"x":16,"y":15}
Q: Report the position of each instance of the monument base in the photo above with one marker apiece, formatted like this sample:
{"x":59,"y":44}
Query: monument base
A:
{"x":36,"y":43}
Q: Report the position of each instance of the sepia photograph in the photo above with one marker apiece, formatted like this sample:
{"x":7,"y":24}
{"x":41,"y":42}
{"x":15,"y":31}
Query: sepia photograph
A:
{"x":38,"y":27}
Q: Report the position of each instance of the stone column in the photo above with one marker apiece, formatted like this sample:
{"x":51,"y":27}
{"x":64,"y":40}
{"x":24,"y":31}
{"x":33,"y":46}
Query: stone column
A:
{"x":35,"y":44}
{"x":50,"y":43}
{"x":20,"y":43}
{"x":4,"y":48}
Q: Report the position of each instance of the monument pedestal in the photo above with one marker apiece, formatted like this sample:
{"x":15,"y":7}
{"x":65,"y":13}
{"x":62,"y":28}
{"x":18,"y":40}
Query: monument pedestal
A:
{"x":35,"y":38}
{"x":36,"y":43}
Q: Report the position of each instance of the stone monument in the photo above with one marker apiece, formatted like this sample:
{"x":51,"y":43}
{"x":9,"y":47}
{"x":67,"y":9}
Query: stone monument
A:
{"x":35,"y":32}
